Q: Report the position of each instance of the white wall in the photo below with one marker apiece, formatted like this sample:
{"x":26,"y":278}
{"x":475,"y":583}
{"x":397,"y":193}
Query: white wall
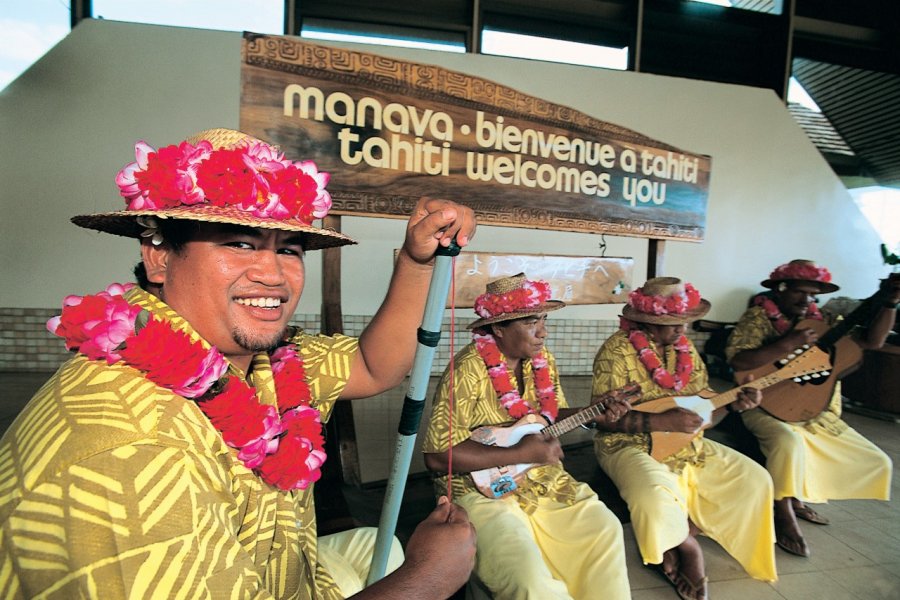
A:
{"x":70,"y":122}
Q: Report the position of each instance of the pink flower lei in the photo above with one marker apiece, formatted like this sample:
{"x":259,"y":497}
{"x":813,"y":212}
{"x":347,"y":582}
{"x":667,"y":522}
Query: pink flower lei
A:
{"x":252,"y":177}
{"x":285,"y":449}
{"x":781,"y":323}
{"x":684,"y":363}
{"x":508,"y":393}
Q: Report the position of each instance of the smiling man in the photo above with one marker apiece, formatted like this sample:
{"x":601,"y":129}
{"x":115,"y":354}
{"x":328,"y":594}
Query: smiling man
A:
{"x":175,"y":453}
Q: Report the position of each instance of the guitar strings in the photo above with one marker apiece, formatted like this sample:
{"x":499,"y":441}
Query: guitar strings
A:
{"x":451,"y":383}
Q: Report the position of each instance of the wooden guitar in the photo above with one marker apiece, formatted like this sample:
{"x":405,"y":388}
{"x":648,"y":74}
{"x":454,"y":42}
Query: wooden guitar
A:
{"x":497,"y":482}
{"x":805,"y":398}
{"x":665,"y":443}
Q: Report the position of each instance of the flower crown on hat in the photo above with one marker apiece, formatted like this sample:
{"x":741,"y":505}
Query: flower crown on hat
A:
{"x":219,"y":176}
{"x":664,"y":301}
{"x":250,"y":176}
{"x":529,"y":295}
{"x":800,"y":270}
{"x":804,"y":270}
{"x":511,"y":298}
{"x":676,"y":303}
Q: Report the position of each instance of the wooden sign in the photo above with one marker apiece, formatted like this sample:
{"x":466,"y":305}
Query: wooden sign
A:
{"x":573,"y":279}
{"x":389,"y":131}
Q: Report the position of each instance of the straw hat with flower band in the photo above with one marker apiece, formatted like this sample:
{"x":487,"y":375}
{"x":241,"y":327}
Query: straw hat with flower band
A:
{"x":220,"y":176}
{"x":665,"y":301}
{"x":511,"y":298}
{"x":801,"y":270}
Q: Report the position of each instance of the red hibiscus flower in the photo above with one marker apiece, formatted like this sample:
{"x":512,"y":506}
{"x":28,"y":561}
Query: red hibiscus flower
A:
{"x":173,"y":361}
{"x":226,"y":179}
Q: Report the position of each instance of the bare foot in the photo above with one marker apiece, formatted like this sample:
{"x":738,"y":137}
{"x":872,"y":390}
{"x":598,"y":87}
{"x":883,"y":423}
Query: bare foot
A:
{"x":788,"y":536}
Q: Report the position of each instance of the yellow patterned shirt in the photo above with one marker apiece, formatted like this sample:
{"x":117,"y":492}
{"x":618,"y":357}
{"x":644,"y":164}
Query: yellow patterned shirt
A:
{"x":112,"y":487}
{"x":755,"y":330}
{"x":617,"y":364}
{"x":475,"y":404}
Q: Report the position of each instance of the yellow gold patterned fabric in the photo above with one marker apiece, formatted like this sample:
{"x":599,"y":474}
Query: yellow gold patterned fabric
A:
{"x":727,"y":495}
{"x":112,"y":487}
{"x":617,"y":364}
{"x":475,"y":404}
{"x":552,"y":538}
{"x":815,"y":460}
{"x":755,"y":330}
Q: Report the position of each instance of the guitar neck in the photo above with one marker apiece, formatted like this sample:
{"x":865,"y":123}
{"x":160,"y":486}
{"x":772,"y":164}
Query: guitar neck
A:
{"x":862,"y":314}
{"x":731,"y":395}
{"x":569,"y":423}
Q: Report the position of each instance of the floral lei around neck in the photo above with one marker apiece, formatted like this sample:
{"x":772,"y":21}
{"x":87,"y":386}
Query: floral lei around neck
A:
{"x":509,"y":393}
{"x":684,"y":363}
{"x":781,"y":323}
{"x":285,"y":449}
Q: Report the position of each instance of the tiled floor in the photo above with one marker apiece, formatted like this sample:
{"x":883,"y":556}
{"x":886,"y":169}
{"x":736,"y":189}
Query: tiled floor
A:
{"x":856,"y":557}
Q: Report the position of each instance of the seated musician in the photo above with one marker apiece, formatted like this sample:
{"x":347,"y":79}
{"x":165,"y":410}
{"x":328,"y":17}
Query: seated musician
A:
{"x":704,"y":487}
{"x":822,"y":458}
{"x":552,"y":537}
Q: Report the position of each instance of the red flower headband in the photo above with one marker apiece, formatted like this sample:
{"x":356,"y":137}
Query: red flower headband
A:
{"x":529,"y":295}
{"x":252,"y":176}
{"x":674,"y":304}
{"x":801,"y":271}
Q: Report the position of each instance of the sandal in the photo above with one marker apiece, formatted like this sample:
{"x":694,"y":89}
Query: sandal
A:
{"x":792,"y":546}
{"x":684,"y":587}
{"x":808,"y":514}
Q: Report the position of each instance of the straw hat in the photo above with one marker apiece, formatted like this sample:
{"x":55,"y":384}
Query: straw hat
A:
{"x":802,"y":271}
{"x":511,"y":298}
{"x":220,"y":176}
{"x":665,"y":301}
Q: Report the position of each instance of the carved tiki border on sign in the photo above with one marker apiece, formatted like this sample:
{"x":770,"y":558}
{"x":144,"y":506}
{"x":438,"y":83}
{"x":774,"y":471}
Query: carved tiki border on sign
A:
{"x":271,"y":63}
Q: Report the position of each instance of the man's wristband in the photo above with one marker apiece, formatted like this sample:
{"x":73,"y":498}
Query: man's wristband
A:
{"x":891,"y":305}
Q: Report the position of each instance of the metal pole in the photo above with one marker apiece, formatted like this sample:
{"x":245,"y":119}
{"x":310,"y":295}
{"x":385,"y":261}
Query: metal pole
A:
{"x":429,"y":335}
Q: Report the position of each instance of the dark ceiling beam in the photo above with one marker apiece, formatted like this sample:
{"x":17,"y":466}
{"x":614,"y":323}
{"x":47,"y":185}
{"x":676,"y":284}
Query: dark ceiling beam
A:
{"x":78,"y":10}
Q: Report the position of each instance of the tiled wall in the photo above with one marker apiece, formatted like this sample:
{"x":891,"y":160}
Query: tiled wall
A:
{"x":26,"y":345}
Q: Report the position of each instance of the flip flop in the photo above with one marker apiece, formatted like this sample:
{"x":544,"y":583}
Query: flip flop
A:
{"x":684,"y":587}
{"x":795,"y":547}
{"x":808,"y":514}
{"x":692,"y":591}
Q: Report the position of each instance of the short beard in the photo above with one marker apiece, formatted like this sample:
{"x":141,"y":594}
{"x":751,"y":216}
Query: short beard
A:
{"x":255,"y":343}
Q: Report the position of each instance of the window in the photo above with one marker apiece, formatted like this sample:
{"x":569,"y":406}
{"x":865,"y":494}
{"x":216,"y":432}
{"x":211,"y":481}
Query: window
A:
{"x":574,"y":53}
{"x":383,"y":35}
{"x":881,"y":206}
{"x":258,"y":16}
{"x":797,"y":93}
{"x":773,"y":7}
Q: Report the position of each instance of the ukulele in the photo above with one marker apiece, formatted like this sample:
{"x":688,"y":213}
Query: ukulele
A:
{"x":803,"y":399}
{"x":665,"y":443}
{"x":497,"y":482}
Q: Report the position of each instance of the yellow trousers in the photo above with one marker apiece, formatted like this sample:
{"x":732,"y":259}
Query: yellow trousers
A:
{"x":557,"y":552}
{"x":347,"y":557}
{"x":816,"y":465}
{"x":728,"y":496}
